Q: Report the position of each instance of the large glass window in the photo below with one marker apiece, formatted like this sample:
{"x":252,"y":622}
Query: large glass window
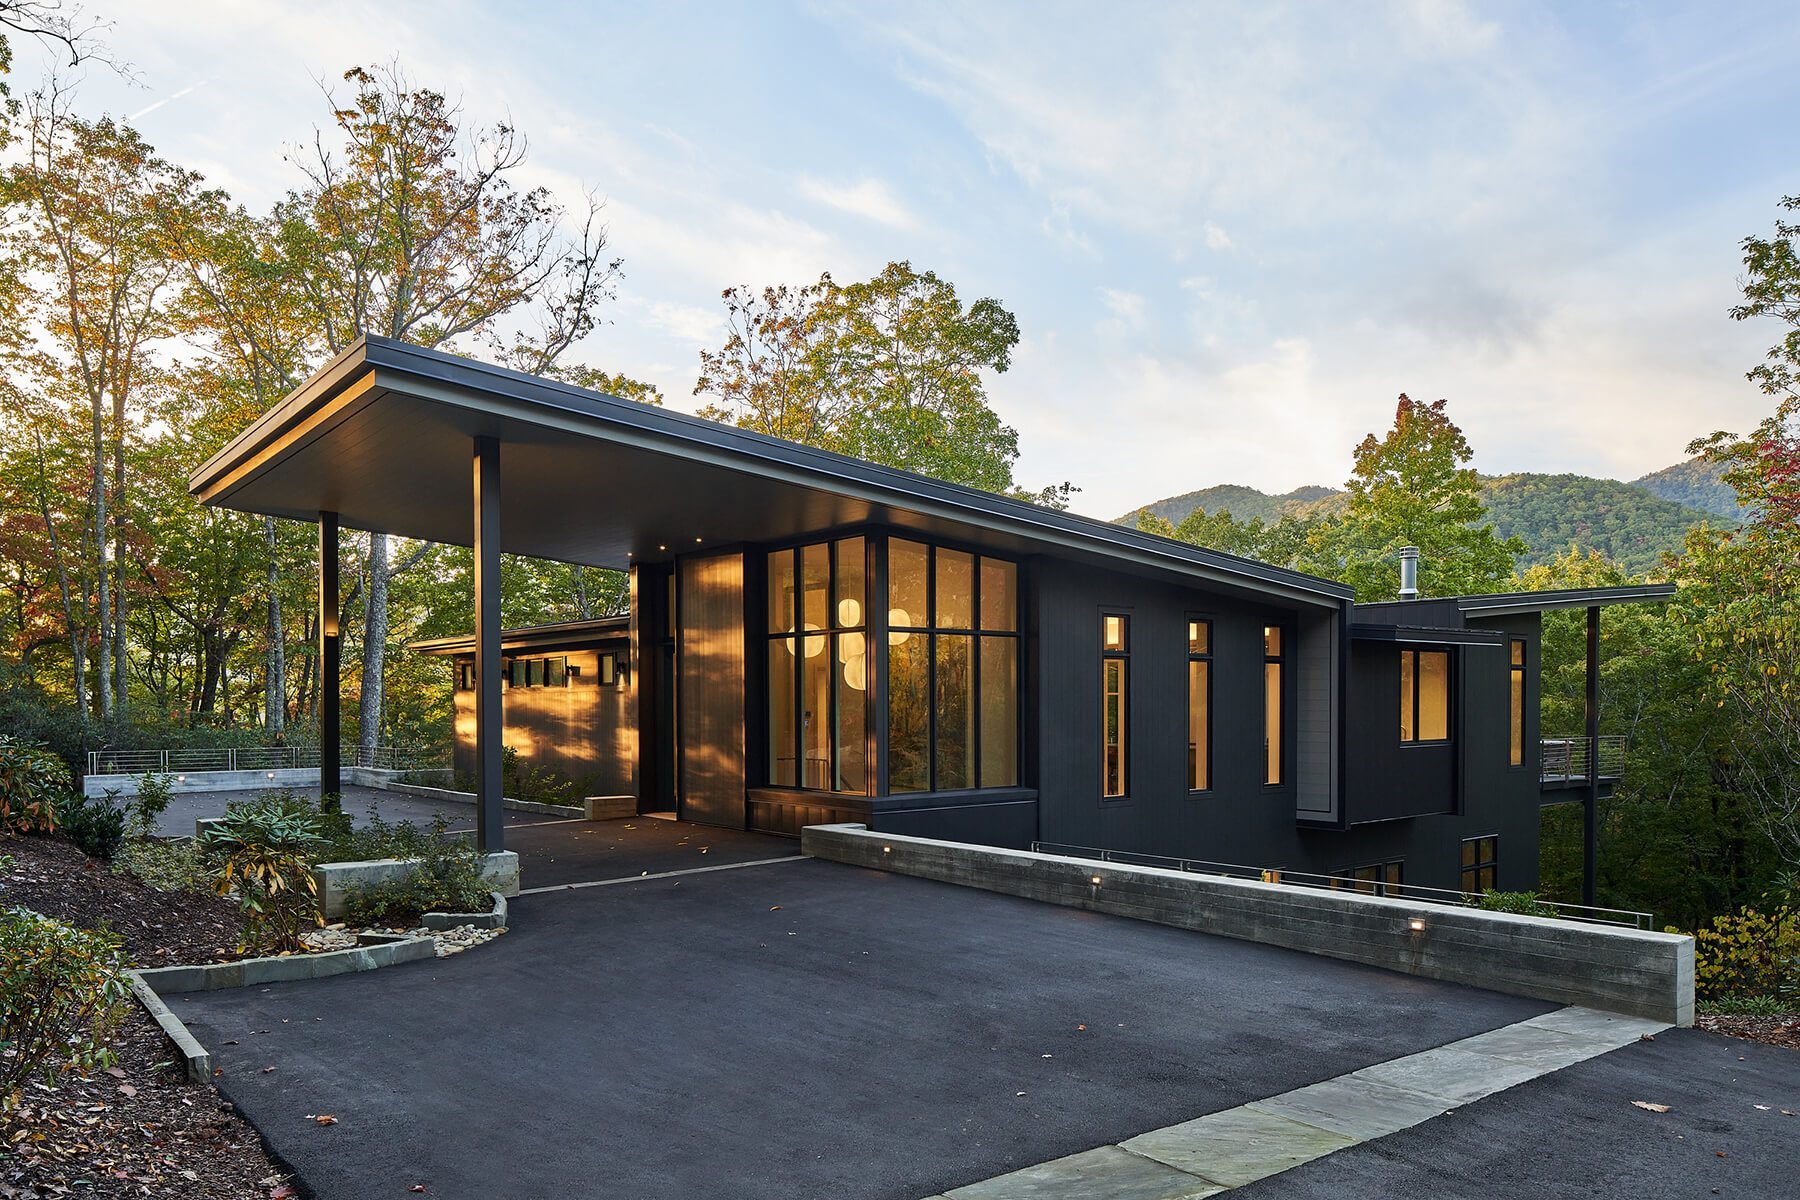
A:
{"x":1115,"y":675}
{"x":1274,"y":703}
{"x":1516,"y":703}
{"x":1199,"y":719}
{"x":953,"y":669}
{"x":818,"y":667}
{"x":1424,"y":695}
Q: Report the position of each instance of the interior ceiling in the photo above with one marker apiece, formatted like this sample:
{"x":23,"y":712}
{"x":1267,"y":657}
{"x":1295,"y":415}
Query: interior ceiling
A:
{"x":403,"y":464}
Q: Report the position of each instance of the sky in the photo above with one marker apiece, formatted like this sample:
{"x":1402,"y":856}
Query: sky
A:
{"x":1232,"y":234}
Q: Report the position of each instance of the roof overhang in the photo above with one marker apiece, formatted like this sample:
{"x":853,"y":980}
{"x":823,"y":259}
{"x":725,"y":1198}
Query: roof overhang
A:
{"x":1506,"y":604}
{"x":383,"y":436}
{"x":563,"y":634}
{"x":1412,"y":635}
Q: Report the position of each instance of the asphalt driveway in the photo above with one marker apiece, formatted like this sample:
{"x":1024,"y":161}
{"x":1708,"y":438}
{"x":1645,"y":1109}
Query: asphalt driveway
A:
{"x":802,"y":1029}
{"x":1576,"y":1132}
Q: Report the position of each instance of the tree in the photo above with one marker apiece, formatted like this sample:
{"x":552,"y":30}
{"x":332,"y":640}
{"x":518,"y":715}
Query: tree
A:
{"x":86,"y":203}
{"x":411,"y":228}
{"x":1412,"y":488}
{"x":890,"y":370}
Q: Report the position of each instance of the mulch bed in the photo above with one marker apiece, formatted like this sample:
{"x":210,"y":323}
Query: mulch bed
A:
{"x":138,"y":1129}
{"x":1776,"y":1031}
{"x":159,"y":929}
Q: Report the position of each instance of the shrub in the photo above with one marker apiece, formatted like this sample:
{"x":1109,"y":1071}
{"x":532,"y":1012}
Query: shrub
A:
{"x":32,"y":780}
{"x":1749,"y":953}
{"x":96,"y":826}
{"x":1524,"y":904}
{"x":153,"y":795}
{"x":172,"y":866}
{"x":62,"y":990}
{"x":266,"y":851}
{"x":447,"y":878}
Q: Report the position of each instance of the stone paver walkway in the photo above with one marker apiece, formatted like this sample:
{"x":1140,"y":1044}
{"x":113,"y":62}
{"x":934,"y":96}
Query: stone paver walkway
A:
{"x":1226,"y":1150}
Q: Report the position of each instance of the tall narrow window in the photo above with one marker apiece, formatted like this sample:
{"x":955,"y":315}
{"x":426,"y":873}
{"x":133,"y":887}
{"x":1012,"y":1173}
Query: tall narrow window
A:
{"x":1115,"y":650}
{"x":1516,"y":701}
{"x":1199,"y":720}
{"x":1480,"y":861}
{"x":1424,"y":695}
{"x":1274,"y":703}
{"x":953,"y":669}
{"x":818,"y":671}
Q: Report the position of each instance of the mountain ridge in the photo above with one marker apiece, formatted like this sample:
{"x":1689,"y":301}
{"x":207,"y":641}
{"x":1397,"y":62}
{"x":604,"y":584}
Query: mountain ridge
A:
{"x":1633,"y":522}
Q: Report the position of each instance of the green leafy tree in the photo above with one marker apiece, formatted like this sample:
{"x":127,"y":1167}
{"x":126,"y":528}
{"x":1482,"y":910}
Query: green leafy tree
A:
{"x":892,"y":370}
{"x":1413,"y":487}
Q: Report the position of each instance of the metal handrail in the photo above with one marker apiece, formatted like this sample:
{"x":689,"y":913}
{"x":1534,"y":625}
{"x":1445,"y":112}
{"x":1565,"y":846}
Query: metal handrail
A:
{"x":1588,"y":913}
{"x":256,"y":758}
{"x":1567,"y":759}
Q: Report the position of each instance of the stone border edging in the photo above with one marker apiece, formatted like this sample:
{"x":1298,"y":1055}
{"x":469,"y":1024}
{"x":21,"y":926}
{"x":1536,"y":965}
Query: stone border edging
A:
{"x":149,"y":985}
{"x":196,"y":1056}
{"x":1630,"y":971}
{"x":494,"y":918}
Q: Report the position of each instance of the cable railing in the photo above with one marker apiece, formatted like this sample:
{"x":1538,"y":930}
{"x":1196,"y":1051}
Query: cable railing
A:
{"x":1567,"y":759}
{"x":1590,"y":914}
{"x":258,"y":758}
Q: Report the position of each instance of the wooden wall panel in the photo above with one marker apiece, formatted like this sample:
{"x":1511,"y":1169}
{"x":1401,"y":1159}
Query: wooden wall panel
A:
{"x":710,"y":694}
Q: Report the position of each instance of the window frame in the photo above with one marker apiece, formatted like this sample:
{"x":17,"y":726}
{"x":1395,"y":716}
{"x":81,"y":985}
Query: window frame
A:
{"x":1206,"y":658}
{"x":977,"y":633}
{"x":1414,"y":653}
{"x":1122,"y":656}
{"x":1490,"y":842}
{"x":832,"y":633}
{"x":1390,"y":873}
{"x":1279,"y":660}
{"x":1516,"y":681}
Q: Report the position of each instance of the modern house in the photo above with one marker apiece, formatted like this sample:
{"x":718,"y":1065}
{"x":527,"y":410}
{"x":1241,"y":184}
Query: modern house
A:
{"x":813,"y":638}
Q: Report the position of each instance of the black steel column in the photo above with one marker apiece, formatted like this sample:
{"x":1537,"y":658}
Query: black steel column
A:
{"x":331,"y":782}
{"x":1590,"y":808}
{"x":490,"y":820}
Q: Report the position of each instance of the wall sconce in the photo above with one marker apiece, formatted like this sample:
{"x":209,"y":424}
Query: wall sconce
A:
{"x":1417,"y":925}
{"x":1095,"y":880}
{"x":887,"y":849}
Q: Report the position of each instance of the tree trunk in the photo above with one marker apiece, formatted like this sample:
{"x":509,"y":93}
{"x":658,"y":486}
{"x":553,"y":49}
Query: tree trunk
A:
{"x":584,"y":605}
{"x":374,"y":648}
{"x":103,"y":576}
{"x":121,"y":662}
{"x":275,"y":666}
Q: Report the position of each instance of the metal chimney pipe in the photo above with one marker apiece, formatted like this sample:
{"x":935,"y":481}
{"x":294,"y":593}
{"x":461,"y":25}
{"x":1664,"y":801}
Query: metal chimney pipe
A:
{"x":1409,"y":572}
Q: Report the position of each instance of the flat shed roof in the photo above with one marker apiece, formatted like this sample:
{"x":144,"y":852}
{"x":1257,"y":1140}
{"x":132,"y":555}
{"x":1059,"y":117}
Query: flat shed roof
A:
{"x":383,"y":437}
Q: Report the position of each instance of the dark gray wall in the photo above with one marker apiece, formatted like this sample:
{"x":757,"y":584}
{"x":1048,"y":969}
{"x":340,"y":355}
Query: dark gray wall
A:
{"x":1239,"y":820}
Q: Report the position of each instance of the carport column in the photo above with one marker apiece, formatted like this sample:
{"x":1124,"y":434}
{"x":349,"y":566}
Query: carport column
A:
{"x":331,"y":782}
{"x":489,"y":729}
{"x":1590,"y":807}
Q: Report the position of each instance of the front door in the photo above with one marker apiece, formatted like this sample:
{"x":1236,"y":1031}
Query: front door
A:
{"x":709,"y":689}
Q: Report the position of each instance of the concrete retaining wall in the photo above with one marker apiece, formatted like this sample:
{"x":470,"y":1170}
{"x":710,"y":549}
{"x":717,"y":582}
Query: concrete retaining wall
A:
{"x":207,"y":781}
{"x":299,"y":778}
{"x":500,"y":870}
{"x":1619,"y":970}
{"x":454,"y":797}
{"x":248,"y":972}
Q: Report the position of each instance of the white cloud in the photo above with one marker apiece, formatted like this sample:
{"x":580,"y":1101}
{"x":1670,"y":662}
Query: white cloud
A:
{"x":1216,"y":238}
{"x":868,"y":198}
{"x":1126,"y":306}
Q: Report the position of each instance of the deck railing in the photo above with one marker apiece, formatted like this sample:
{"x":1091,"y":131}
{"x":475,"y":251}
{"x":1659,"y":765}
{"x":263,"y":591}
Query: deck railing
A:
{"x":257,"y":758}
{"x":1566,"y":759}
{"x":1395,"y":891}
